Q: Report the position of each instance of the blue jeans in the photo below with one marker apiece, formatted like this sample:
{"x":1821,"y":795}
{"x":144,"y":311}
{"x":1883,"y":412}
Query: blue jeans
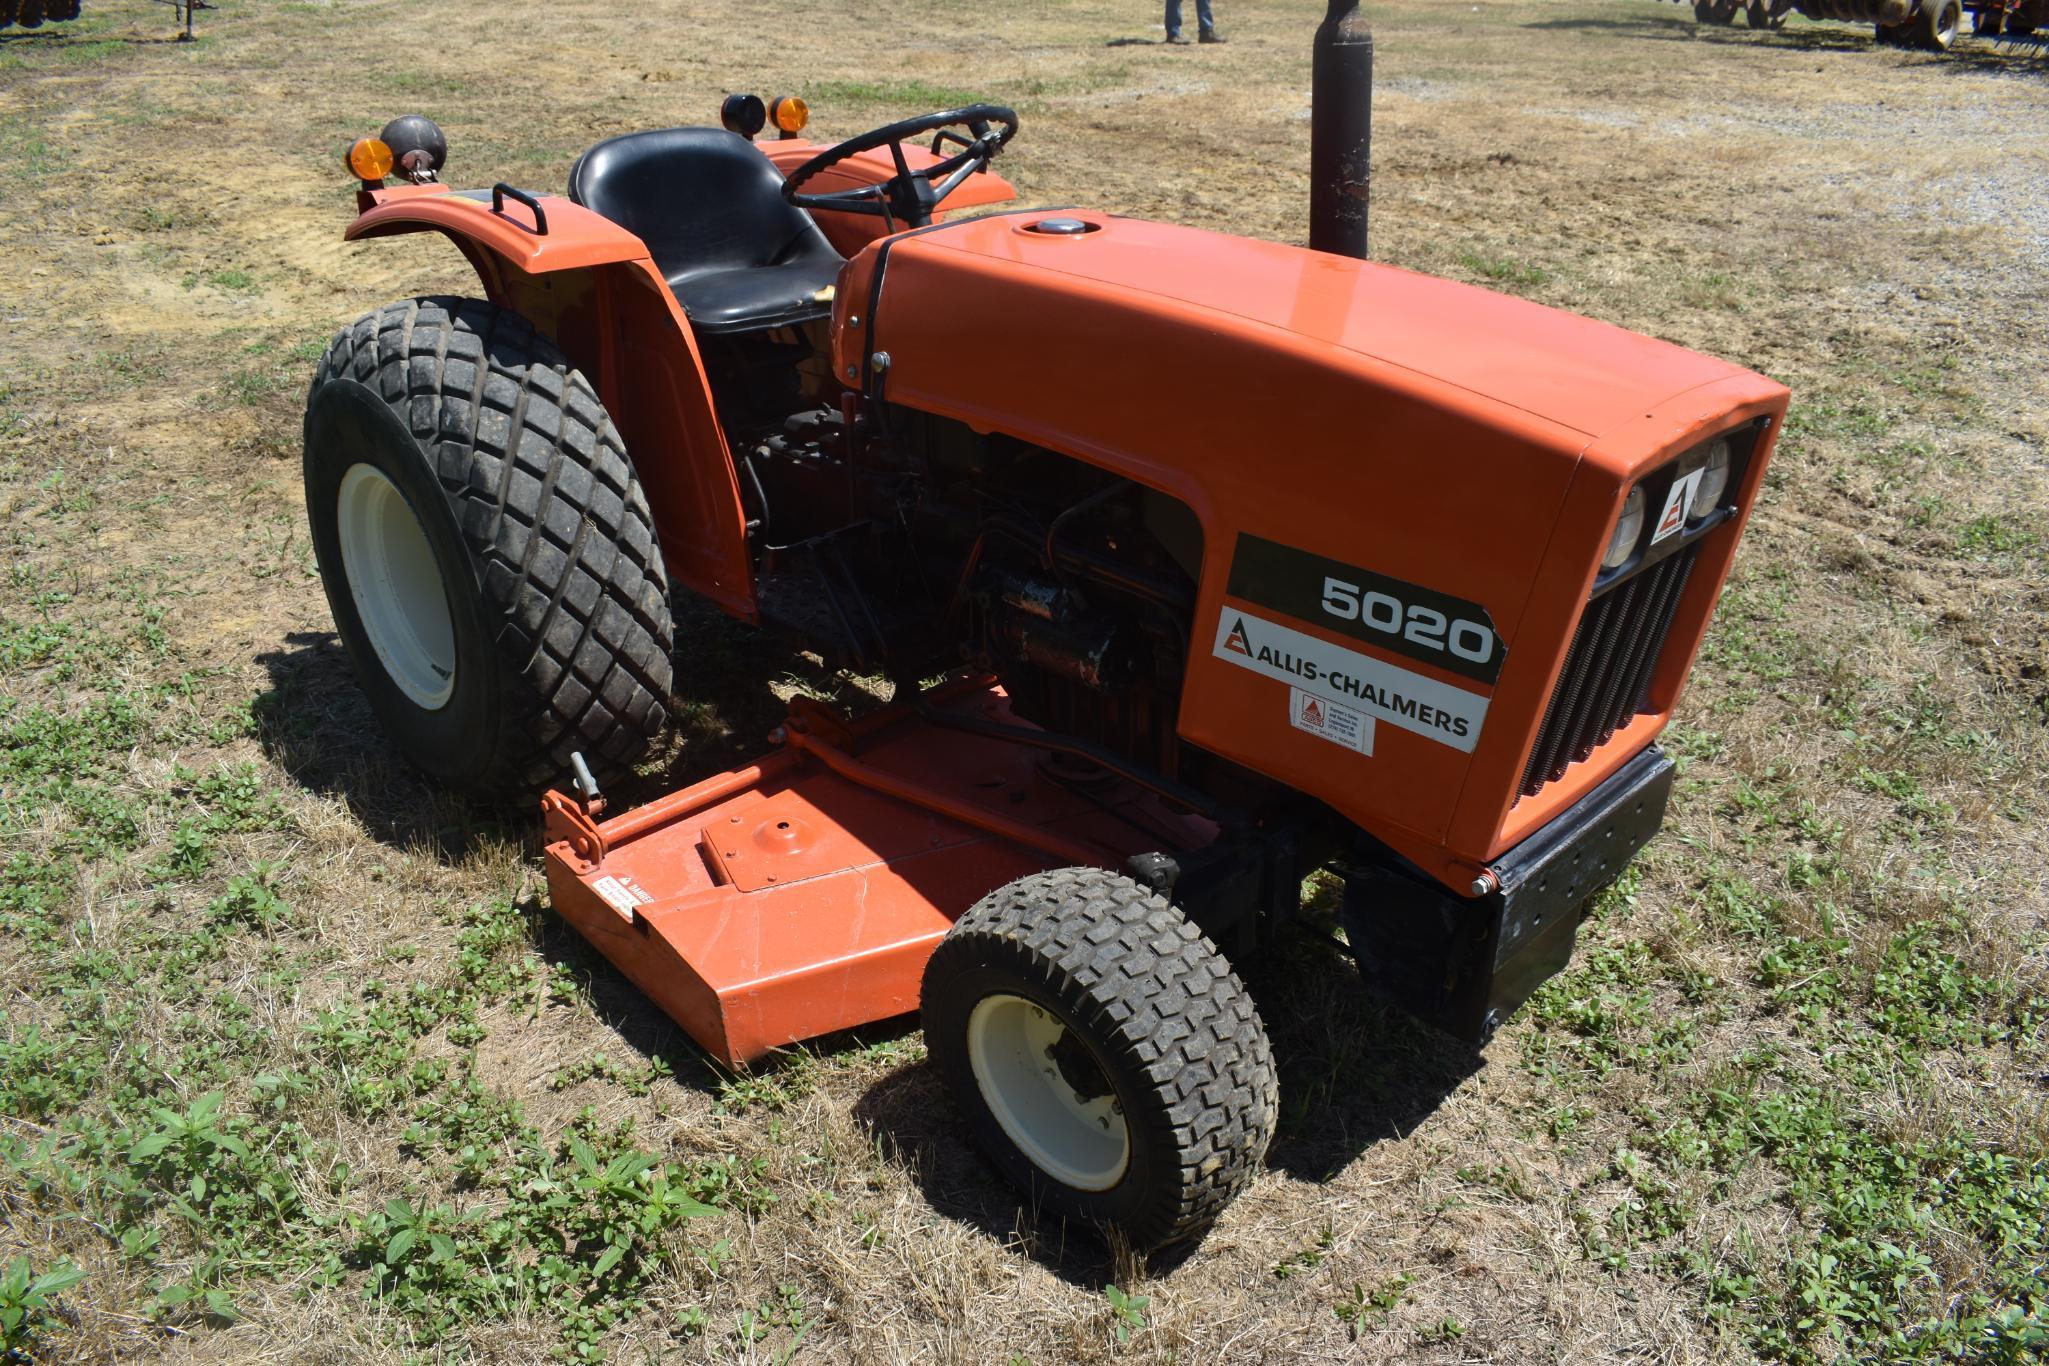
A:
{"x":1202,"y":16}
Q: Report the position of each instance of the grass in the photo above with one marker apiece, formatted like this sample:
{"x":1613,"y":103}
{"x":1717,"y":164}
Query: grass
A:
{"x":292,"y":1049}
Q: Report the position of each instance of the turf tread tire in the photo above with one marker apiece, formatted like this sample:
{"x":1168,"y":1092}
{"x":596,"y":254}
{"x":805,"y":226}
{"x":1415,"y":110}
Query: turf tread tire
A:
{"x":1158,"y":1003}
{"x":553,"y":519}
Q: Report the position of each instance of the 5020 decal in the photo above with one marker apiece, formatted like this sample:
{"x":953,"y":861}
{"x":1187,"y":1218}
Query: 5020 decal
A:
{"x":1470,"y":640}
{"x":1407,"y":618}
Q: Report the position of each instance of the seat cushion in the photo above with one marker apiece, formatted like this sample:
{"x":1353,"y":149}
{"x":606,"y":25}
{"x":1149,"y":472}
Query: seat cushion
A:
{"x":756,"y":296}
{"x":710,"y":208}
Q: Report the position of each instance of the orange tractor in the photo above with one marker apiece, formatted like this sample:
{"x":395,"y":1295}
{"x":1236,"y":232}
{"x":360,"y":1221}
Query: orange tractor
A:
{"x":1231,"y":560}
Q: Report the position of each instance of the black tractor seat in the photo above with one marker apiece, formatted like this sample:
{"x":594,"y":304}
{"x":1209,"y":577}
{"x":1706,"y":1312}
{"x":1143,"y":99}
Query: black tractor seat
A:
{"x":710,"y":208}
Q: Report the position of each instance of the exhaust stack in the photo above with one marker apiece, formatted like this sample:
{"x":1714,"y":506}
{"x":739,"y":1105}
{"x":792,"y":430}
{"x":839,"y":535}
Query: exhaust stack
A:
{"x":1340,"y":131}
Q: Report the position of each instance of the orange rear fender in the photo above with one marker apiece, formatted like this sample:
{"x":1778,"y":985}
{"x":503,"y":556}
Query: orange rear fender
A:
{"x":590,"y":285}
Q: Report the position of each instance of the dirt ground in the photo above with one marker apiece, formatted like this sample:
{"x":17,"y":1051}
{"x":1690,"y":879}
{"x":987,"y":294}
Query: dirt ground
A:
{"x":1791,"y":1103}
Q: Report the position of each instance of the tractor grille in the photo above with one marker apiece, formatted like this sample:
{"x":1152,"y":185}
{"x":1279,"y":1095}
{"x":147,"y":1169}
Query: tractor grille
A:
{"x":1607,"y":674}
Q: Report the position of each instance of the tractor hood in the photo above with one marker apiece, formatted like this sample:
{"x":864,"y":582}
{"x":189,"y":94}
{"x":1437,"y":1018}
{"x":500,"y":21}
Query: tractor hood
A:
{"x":1351,"y":438}
{"x":1580,"y":374}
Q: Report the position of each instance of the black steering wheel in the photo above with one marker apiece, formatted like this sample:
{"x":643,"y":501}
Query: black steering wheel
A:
{"x":910,"y":195}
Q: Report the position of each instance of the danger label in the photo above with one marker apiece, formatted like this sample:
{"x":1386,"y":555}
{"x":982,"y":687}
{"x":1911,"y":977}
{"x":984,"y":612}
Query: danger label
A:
{"x":1332,"y":721}
{"x":1401,"y":697}
{"x":620,"y":896}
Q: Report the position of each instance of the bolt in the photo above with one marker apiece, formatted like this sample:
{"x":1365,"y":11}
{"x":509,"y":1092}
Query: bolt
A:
{"x":880,"y":360}
{"x":853,"y":320}
{"x":850,"y":372}
{"x":1484,"y":883}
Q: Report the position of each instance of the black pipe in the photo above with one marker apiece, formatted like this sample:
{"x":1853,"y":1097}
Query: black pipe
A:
{"x":1340,"y":131}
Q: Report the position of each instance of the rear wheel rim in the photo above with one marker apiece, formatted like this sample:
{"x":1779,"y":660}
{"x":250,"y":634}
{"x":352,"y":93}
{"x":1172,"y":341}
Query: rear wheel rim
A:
{"x":396,"y":584}
{"x":1014,"y":1048}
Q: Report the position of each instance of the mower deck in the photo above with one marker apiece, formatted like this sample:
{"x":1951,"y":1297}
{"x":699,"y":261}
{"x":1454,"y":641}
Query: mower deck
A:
{"x":802,"y":894}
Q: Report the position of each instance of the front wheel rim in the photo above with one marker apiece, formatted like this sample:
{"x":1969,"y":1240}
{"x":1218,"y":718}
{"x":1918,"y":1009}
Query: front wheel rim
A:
{"x":396,"y":585}
{"x":1078,"y":1138}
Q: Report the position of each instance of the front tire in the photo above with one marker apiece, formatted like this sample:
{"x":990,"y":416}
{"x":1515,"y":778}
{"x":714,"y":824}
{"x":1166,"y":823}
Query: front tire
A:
{"x":486,"y":549}
{"x":1108,"y":1061}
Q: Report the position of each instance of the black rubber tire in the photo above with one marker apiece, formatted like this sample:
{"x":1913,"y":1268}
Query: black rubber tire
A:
{"x":1936,"y":24}
{"x":30,"y":14}
{"x":8,"y":9}
{"x":1161,"y":1013}
{"x":62,"y":10}
{"x":537,"y":525}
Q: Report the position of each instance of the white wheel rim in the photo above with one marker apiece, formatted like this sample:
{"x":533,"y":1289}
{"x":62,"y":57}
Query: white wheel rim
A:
{"x":396,"y":586}
{"x":1082,"y":1143}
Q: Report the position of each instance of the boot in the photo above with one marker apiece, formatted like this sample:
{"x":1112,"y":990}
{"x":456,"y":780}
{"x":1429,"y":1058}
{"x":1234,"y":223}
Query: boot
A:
{"x":1177,"y":40}
{"x":1210,"y":35}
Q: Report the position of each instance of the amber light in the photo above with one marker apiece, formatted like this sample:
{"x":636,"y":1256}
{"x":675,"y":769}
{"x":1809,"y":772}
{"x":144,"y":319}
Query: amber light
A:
{"x":789,"y":113}
{"x":370,"y":159}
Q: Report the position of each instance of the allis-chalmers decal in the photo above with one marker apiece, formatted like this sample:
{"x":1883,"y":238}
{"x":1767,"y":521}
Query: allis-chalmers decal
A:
{"x":1406,"y":618}
{"x":1446,"y":714}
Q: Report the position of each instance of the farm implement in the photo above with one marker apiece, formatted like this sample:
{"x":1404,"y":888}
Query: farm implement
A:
{"x":1930,"y":24}
{"x":36,"y":13}
{"x":1196,"y":564}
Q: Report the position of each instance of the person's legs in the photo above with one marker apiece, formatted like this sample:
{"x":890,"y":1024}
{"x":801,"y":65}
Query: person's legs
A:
{"x":1174,"y":17}
{"x":1207,"y":22}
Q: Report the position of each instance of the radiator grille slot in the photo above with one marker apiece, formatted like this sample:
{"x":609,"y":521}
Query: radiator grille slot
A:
{"x":1607,"y":673}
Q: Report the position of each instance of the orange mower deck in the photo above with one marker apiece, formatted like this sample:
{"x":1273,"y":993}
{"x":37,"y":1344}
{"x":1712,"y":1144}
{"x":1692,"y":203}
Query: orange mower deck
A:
{"x":802,"y":894}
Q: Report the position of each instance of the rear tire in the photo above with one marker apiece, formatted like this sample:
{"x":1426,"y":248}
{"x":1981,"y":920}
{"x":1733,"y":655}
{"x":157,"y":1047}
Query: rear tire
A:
{"x":30,"y":15}
{"x":1937,"y":22}
{"x":486,"y":549}
{"x":8,"y":9}
{"x":1109,"y":1062}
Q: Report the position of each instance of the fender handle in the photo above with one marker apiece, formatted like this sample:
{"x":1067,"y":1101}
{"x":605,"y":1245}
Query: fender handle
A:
{"x":501,"y":192}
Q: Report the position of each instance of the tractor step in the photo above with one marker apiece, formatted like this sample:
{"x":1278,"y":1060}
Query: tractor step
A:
{"x":802,"y":894}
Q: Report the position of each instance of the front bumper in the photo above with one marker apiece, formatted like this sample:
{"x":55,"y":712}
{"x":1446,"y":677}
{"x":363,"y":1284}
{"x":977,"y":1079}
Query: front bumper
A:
{"x":1466,"y":964}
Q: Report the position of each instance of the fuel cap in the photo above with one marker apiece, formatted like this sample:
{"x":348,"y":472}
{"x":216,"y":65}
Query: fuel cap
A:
{"x":1060,"y":227}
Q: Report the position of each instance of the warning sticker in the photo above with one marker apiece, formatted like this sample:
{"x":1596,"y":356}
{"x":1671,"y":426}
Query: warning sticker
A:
{"x":620,"y":896}
{"x":1360,"y":683}
{"x":1332,"y":721}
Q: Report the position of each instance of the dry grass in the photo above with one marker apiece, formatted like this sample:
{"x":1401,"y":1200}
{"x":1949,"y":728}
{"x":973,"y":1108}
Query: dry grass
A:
{"x":1866,"y":743}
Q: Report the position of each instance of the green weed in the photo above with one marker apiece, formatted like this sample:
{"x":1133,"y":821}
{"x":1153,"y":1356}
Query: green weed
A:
{"x":1127,"y":1312}
{"x":27,"y":1302}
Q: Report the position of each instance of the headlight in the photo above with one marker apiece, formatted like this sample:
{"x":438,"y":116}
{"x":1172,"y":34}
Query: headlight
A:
{"x":1714,"y":480}
{"x":1628,"y":530}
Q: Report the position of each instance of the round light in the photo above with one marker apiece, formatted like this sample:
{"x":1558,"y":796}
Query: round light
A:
{"x":1714,"y":481}
{"x":743,"y":114}
{"x":789,"y":113}
{"x":370,"y":159}
{"x":1628,"y":530}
